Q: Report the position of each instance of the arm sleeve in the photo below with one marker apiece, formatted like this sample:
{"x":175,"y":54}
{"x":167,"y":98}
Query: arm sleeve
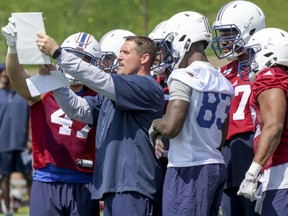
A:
{"x":179,"y":90}
{"x":89,"y":74}
{"x":75,"y":107}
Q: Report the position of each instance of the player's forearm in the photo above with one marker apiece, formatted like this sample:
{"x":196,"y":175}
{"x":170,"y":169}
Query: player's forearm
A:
{"x":90,"y":75}
{"x":15,"y":71}
{"x":268,"y":143}
{"x":75,"y":107}
{"x":18,"y":76}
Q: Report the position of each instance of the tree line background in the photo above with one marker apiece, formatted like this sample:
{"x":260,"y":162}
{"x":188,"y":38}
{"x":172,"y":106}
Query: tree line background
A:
{"x":66,"y":17}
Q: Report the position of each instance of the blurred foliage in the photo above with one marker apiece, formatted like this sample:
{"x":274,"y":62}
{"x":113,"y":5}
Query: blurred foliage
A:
{"x":65,"y":17}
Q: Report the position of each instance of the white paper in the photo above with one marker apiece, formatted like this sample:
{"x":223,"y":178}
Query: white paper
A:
{"x":28,"y":25}
{"x":40,"y":84}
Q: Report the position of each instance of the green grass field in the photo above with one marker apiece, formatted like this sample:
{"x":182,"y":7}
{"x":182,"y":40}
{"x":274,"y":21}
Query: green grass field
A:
{"x":23,"y":211}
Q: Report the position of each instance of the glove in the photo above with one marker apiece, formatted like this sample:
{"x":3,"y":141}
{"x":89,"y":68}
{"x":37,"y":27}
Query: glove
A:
{"x":10,"y":34}
{"x":248,"y":187}
{"x":153,"y":134}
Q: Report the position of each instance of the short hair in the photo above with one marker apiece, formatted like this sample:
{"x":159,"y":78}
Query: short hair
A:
{"x":145,"y":45}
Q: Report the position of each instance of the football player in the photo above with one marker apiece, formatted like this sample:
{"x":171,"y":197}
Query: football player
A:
{"x":267,"y":68}
{"x":194,"y":119}
{"x":63,"y":148}
{"x":235,"y":23}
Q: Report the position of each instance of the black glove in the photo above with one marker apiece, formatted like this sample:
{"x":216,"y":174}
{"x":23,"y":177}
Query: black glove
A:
{"x":153,"y":135}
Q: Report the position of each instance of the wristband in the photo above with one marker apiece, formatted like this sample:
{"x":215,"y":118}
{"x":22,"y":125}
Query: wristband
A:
{"x":12,"y":49}
{"x":57,"y":53}
{"x":254,"y":169}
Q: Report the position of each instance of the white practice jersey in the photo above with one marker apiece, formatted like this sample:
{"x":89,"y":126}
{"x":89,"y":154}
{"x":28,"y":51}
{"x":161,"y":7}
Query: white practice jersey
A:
{"x":210,"y":101}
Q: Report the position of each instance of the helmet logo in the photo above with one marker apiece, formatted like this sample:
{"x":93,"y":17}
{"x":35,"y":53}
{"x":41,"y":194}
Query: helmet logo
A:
{"x":83,"y":40}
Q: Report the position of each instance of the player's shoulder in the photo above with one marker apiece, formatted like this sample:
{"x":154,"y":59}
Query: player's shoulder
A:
{"x":272,"y":75}
{"x":202,"y":76}
{"x":271,"y":78}
{"x":198,"y":70}
{"x":272,"y":72}
{"x":230,"y":69}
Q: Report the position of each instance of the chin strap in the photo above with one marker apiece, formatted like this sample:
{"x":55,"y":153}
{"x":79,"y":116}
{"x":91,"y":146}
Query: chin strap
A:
{"x":271,"y":62}
{"x":252,"y":76}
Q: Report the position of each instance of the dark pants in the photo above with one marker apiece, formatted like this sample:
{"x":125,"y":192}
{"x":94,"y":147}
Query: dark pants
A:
{"x":62,"y":199}
{"x":193,"y":191}
{"x":15,"y":161}
{"x":235,"y":205}
{"x":129,"y":204}
{"x":275,"y":203}
{"x":238,"y":154}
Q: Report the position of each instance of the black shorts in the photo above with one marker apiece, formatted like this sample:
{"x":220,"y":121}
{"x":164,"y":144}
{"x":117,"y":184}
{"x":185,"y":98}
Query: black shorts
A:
{"x":15,"y":161}
{"x":238,"y":154}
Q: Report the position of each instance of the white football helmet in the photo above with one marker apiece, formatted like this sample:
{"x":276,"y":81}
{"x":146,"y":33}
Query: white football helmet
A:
{"x":110,"y":44}
{"x":265,"y":48}
{"x":239,"y":20}
{"x":163,"y":49}
{"x":84,"y":46}
{"x":157,"y":32}
{"x":183,"y":29}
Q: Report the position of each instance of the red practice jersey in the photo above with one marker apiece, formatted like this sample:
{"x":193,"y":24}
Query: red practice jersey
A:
{"x":59,"y":140}
{"x":240,"y":120}
{"x":163,"y":83}
{"x":267,"y":79}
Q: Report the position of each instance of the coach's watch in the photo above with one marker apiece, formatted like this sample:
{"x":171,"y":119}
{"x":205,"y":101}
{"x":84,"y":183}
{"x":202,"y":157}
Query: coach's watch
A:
{"x":57,"y":53}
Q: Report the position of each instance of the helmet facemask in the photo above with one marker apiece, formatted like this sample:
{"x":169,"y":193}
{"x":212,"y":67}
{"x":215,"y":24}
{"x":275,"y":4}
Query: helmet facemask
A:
{"x":228,"y":42}
{"x":166,"y":56}
{"x":109,"y":62}
{"x":248,"y":68}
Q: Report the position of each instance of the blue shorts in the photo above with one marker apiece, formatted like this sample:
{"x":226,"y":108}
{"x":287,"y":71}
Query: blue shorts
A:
{"x":129,"y":204}
{"x":193,"y":190}
{"x":60,"y":199}
{"x":14,"y":161}
{"x":275,"y":202}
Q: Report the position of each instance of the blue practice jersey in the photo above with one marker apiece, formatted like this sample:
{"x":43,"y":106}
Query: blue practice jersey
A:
{"x":125,"y":159}
{"x":14,"y":119}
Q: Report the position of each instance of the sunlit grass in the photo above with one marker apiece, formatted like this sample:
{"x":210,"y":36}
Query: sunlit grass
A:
{"x":22,"y":211}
